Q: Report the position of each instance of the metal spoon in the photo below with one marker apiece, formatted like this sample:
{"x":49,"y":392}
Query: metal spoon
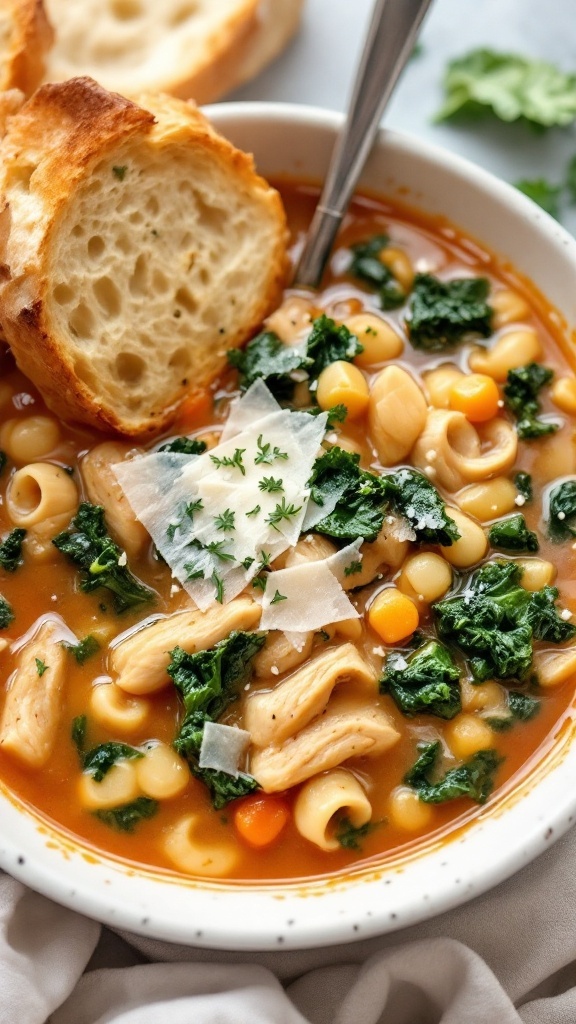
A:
{"x":389,"y":43}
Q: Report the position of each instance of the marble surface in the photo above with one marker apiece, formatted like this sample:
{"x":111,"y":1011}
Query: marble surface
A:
{"x":318,"y":67}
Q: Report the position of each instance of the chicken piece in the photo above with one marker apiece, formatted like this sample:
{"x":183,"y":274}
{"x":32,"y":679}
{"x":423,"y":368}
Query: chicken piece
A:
{"x":346,"y":729}
{"x":272,"y":716}
{"x":103,"y":488}
{"x":140,"y":661}
{"x":35,"y":698}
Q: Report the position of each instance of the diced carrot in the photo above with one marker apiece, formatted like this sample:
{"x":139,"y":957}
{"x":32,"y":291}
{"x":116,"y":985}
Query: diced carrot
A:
{"x":393,"y":615}
{"x":477,"y":396}
{"x":260,"y":818}
{"x":195,"y":411}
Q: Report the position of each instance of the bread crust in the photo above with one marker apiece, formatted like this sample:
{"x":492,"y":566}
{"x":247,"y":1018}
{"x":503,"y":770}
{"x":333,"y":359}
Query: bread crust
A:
{"x":246,"y":39}
{"x":51,"y":149}
{"x":26,"y":39}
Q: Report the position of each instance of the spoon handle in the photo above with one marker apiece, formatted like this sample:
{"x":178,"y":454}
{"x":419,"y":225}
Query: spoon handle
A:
{"x":389,"y":43}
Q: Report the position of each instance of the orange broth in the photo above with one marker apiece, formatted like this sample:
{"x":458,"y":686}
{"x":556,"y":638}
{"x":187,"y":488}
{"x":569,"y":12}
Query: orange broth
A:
{"x":37,"y":589}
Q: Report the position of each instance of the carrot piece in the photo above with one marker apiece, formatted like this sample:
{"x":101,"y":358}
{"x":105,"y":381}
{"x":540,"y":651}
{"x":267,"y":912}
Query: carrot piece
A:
{"x":477,"y":396}
{"x":260,"y":818}
{"x":195,"y":410}
{"x":393,"y":615}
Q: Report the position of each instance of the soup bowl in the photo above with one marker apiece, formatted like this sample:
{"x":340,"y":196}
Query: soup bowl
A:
{"x":528,"y":813}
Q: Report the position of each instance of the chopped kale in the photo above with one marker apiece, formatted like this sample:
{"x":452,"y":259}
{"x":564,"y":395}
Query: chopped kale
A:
{"x":427,"y":682}
{"x":184,"y":446}
{"x":510,"y":87}
{"x":368,"y":267}
{"x":521,"y":396}
{"x":415,"y":498}
{"x":474,"y":778}
{"x":329,"y":342}
{"x":512,"y":534}
{"x":208,"y":681}
{"x":126,"y":817}
{"x":91,"y":548}
{"x":494,"y":621}
{"x":541,"y":192}
{"x":78,"y":735}
{"x":357,"y":498}
{"x":41,"y":666}
{"x":446,"y":313}
{"x":99,"y":760}
{"x":523,"y":484}
{"x":6,"y":613}
{"x":562,"y":512}
{"x":349,"y":835}
{"x":11,"y":550}
{"x":84,"y":649}
{"x":267,"y":358}
{"x":521,"y":708}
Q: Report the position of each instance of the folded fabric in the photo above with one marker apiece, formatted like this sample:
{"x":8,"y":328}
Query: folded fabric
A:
{"x":508,"y":957}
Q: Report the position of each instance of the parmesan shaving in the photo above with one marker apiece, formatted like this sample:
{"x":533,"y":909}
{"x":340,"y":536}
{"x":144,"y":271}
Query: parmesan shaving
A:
{"x":304,"y":597}
{"x":223,"y":747}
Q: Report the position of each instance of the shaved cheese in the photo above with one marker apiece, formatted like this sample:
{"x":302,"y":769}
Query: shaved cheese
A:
{"x":342,"y":560}
{"x":223,"y":747}
{"x":304,"y":597}
{"x":216,"y":518}
{"x":256,"y":403}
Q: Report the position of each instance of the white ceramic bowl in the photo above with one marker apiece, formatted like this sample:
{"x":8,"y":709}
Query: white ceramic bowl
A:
{"x":502,"y":838}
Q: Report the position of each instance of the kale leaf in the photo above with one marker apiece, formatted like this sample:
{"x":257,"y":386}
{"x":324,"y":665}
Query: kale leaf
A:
{"x":99,"y":760}
{"x":510,"y":87}
{"x":6,"y":613}
{"x":78,"y":735}
{"x":11,"y":550}
{"x":208,"y":681}
{"x":427,"y":682}
{"x":474,"y":778}
{"x":184,"y":446}
{"x":415,"y":498}
{"x":368,"y":267}
{"x":494,"y":621}
{"x":126,"y":817}
{"x":521,"y":396}
{"x":267,"y":358}
{"x":512,"y":534}
{"x":446,"y":313}
{"x":84,"y":649}
{"x":523,"y":484}
{"x":349,"y":835}
{"x":91,"y":548}
{"x":360,"y":497}
{"x":521,"y":708}
{"x":562,"y":521}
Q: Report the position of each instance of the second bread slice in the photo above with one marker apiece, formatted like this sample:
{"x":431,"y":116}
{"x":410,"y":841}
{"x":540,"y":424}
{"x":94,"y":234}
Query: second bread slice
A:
{"x":138,"y":246}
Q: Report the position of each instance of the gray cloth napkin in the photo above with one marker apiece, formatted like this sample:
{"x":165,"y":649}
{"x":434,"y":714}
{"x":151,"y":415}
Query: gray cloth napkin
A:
{"x":507,"y":957}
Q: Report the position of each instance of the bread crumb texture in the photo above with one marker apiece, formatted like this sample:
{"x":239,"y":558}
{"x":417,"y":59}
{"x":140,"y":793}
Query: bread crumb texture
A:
{"x":189,"y":48}
{"x":25,"y":38}
{"x":138,"y":246}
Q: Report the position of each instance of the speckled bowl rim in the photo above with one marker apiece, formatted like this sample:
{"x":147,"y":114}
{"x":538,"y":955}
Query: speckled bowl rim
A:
{"x":506,"y":834}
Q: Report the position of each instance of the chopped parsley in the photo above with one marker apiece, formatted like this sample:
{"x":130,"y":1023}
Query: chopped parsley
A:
{"x":253,"y":511}
{"x":281,"y":512}
{"x":266,"y":454}
{"x":473,"y":779}
{"x":521,"y":396}
{"x":41,"y":666}
{"x":231,"y":461}
{"x":11,"y":550}
{"x":368,"y":266}
{"x":445,"y":313}
{"x":510,"y":87}
{"x":225,"y":521}
{"x":427,"y":682}
{"x":90,"y":547}
{"x":512,"y":534}
{"x":271,"y":484}
{"x":353,"y":568}
{"x":184,"y":446}
{"x":278,"y":597}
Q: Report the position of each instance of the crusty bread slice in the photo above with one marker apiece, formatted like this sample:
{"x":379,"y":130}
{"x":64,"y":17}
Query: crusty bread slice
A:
{"x":138,"y":246}
{"x":189,"y":48}
{"x":25,"y":38}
